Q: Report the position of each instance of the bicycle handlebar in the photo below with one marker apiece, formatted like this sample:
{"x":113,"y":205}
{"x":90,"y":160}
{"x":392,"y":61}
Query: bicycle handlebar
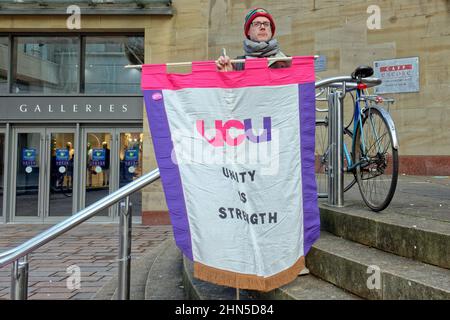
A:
{"x":337,"y":82}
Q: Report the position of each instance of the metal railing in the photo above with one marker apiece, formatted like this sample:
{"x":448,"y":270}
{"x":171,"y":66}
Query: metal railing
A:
{"x":337,"y":88}
{"x":19,"y":272}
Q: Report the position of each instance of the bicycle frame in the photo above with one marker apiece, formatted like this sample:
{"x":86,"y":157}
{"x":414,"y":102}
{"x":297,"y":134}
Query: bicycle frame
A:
{"x":365,"y":156}
{"x":357,"y":121}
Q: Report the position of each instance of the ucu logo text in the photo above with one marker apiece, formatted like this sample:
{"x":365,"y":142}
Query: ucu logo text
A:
{"x":223,"y":135}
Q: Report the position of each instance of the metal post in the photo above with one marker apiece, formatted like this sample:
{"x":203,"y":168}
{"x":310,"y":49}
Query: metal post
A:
{"x":336,"y":157}
{"x":340,"y":148}
{"x":331,"y":122}
{"x":19,"y":280}
{"x":125,"y":249}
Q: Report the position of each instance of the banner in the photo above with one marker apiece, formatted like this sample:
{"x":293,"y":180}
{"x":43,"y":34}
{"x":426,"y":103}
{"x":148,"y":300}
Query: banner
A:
{"x":236,"y":155}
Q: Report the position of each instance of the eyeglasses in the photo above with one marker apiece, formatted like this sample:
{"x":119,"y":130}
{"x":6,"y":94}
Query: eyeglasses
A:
{"x":258,"y":24}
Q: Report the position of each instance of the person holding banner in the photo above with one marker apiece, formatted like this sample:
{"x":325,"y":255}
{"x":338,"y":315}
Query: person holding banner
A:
{"x":244,"y":222}
{"x":259,"y":30}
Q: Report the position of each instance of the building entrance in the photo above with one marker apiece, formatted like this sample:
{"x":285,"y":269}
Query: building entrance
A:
{"x":42,"y":167}
{"x":55,"y":172}
{"x":112,"y":159}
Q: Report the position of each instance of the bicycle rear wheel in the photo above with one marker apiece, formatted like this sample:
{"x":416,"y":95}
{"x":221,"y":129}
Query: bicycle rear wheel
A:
{"x":377,"y":172}
{"x":322,"y":156}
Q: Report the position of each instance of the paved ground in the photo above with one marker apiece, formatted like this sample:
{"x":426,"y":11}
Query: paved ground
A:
{"x":423,"y":196}
{"x":91,"y":247}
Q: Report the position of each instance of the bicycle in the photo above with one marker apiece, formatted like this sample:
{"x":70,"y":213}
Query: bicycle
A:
{"x":62,"y":185}
{"x":372,"y":161}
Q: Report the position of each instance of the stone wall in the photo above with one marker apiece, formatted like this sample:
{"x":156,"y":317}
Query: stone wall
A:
{"x":339,"y":31}
{"x":198,"y":30}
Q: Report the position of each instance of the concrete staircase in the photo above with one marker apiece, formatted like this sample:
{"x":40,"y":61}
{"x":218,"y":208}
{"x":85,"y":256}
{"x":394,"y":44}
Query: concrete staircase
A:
{"x":383,"y":256}
{"x":365,"y":255}
{"x":360,"y":255}
{"x":155,"y":276}
{"x":306,"y":287}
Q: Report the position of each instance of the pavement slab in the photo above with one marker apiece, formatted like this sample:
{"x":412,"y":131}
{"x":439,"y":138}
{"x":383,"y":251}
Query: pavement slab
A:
{"x":93,"y":248}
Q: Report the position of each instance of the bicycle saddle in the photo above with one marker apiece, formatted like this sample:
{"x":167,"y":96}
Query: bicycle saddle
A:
{"x":362,"y":72}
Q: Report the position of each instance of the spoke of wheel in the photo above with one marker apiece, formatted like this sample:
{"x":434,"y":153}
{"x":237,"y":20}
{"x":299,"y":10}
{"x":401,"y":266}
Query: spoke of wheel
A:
{"x":321,"y":153}
{"x":377,"y":140}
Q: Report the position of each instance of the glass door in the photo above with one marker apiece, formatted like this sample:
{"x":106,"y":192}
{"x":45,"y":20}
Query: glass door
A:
{"x":28,"y":171}
{"x":113,"y":158}
{"x":97,"y":166}
{"x":2,"y":168}
{"x":60,"y":149}
{"x":130,"y":164}
{"x":44,"y":164}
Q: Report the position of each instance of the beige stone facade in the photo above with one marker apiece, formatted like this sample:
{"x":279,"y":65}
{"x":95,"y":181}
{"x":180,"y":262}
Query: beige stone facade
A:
{"x":199,"y":29}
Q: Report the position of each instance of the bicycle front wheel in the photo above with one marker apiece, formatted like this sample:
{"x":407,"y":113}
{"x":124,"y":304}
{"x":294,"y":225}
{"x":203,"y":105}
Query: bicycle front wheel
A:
{"x":321,"y":157}
{"x":377,"y":172}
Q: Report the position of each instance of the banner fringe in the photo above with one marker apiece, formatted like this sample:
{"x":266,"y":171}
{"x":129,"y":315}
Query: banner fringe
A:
{"x":248,"y":281}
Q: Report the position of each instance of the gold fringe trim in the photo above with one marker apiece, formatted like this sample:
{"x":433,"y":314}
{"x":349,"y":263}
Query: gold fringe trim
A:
{"x":248,"y":281}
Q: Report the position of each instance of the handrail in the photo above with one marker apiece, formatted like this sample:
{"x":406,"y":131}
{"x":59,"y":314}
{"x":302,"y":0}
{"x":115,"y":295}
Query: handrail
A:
{"x":337,"y":82}
{"x":78,"y":218}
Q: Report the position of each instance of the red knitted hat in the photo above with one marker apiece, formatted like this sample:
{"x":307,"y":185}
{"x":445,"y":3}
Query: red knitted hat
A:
{"x":254,"y":13}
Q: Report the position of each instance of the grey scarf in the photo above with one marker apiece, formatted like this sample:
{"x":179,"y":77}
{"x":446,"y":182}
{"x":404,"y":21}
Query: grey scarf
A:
{"x":261,"y":49}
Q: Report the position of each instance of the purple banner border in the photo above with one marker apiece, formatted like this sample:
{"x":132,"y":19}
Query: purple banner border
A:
{"x":311,"y":216}
{"x":170,"y":173}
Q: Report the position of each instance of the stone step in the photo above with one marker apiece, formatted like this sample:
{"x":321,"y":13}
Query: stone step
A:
{"x":140,"y":269}
{"x":165,"y":280}
{"x":309,"y":287}
{"x":305,"y":287}
{"x":352,"y":266}
{"x":419,"y":238}
{"x":201,"y":290}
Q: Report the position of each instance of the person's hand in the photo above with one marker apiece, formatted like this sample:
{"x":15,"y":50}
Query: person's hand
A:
{"x":224,"y":64}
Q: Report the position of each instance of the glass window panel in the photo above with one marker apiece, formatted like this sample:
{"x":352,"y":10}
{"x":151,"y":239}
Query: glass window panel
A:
{"x":131,"y":165}
{"x":2,"y":165}
{"x":98,"y":160}
{"x":61,"y":174}
{"x":4,"y":63}
{"x":27,"y":175}
{"x":105,"y":61}
{"x":46,"y":65}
